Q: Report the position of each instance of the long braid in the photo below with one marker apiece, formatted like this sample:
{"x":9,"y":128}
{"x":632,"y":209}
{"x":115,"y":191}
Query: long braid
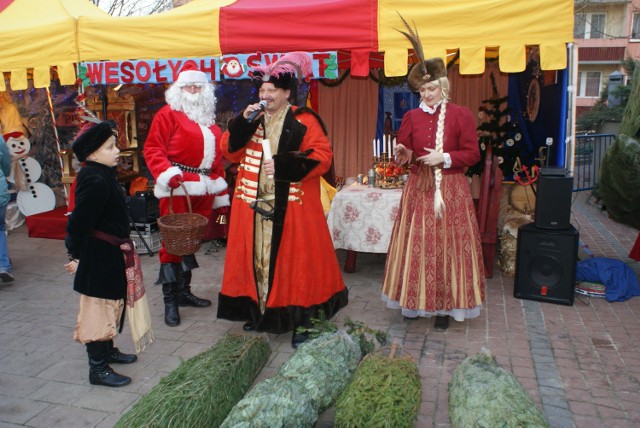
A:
{"x":438,"y":201}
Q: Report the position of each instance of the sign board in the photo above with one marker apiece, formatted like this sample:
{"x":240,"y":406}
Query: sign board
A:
{"x":324,"y":64}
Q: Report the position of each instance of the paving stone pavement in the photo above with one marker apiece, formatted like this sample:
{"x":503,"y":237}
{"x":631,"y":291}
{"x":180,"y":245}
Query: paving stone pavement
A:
{"x":579,"y":362}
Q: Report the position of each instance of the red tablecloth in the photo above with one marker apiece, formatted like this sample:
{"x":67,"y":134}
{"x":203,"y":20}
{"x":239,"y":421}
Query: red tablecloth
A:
{"x":50,"y":224}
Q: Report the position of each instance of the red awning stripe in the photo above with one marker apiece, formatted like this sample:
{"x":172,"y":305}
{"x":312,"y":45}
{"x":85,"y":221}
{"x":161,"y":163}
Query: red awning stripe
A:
{"x":4,"y":4}
{"x":285,"y":25}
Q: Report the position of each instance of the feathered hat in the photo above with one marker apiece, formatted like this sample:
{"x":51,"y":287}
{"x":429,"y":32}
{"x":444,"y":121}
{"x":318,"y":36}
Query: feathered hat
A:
{"x":426,"y":70}
{"x":283,"y":72}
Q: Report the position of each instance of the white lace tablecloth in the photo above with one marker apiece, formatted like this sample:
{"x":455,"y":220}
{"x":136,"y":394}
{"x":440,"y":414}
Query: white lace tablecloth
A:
{"x":361,"y":218}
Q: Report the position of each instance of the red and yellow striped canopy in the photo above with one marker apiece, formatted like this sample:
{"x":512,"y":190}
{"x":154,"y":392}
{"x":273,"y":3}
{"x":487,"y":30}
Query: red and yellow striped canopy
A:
{"x":202,"y":28}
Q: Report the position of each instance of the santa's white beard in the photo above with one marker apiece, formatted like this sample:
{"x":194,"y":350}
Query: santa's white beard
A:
{"x":199,"y":107}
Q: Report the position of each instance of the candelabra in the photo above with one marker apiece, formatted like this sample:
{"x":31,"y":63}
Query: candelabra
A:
{"x":387,"y":172}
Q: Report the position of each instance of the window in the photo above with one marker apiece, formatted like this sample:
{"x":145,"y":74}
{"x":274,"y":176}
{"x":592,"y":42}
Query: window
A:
{"x":589,"y":83}
{"x":635,"y":29}
{"x":589,"y":25}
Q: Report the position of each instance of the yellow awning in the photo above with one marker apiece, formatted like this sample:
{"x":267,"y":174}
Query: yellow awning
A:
{"x":187,"y":31}
{"x":38,"y":35}
{"x":471,"y":27}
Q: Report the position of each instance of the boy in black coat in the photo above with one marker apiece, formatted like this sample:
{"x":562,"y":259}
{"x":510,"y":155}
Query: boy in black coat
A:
{"x":100,"y":213}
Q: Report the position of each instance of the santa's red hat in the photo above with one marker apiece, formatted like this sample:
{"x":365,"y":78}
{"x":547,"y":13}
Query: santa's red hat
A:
{"x":190,"y":74}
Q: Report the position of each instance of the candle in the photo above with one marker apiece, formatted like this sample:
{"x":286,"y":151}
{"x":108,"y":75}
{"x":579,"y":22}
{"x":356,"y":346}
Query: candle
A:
{"x":378,"y":146}
{"x":266,"y":151}
{"x":374,"y":146}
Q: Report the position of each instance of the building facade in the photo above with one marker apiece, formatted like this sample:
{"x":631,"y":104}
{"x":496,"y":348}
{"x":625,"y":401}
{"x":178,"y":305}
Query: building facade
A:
{"x":606,"y":33}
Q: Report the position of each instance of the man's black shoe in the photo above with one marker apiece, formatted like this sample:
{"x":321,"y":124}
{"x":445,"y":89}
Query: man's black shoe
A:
{"x":298,"y":339}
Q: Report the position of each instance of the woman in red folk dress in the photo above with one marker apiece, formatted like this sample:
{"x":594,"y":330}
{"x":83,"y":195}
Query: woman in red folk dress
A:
{"x":434,"y":263}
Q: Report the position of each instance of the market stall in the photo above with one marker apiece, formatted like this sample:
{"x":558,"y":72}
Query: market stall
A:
{"x":468,"y":34}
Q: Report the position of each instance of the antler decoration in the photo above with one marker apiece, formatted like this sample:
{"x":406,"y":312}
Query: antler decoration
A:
{"x":414,"y":38}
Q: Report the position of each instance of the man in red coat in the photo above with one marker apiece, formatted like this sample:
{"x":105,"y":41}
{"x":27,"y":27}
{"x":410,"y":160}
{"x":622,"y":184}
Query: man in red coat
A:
{"x":183,"y":147}
{"x":280,"y":267}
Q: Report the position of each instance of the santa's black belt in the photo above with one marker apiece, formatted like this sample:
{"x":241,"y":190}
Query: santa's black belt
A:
{"x":185,"y":168}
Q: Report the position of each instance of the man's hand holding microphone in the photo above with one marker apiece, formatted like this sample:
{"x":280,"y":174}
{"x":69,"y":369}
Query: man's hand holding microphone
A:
{"x":254,"y":111}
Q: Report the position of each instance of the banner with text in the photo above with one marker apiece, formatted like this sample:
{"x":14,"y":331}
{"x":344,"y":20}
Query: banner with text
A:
{"x":325,"y":66}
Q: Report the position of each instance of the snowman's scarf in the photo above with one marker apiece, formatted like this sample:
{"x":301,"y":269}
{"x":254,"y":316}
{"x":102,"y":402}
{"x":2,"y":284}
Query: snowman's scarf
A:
{"x":17,"y":172}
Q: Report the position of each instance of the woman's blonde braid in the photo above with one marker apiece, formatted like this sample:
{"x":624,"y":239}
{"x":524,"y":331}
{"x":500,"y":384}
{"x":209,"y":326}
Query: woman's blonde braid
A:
{"x":438,"y":201}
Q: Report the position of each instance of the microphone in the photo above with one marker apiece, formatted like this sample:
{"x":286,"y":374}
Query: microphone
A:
{"x":254,"y":113}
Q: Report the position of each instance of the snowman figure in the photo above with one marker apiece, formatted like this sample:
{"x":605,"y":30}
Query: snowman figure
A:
{"x":33,"y":198}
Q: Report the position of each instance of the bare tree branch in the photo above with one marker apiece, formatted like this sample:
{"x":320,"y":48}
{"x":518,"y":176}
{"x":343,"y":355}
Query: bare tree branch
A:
{"x":133,"y":7}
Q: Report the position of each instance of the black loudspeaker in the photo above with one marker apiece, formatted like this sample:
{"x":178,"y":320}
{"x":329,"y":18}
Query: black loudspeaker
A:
{"x":553,"y":199}
{"x":546,"y":264}
{"x":144,"y":207}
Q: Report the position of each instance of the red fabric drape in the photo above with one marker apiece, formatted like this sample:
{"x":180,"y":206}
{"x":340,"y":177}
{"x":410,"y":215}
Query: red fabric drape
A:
{"x":470,"y":89}
{"x":349,"y":111}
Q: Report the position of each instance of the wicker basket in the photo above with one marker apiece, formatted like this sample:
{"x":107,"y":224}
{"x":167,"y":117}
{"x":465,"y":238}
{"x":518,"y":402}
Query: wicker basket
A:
{"x":182,"y":233}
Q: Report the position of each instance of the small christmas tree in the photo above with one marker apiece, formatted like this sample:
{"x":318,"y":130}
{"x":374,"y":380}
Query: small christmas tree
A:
{"x":499,"y":131}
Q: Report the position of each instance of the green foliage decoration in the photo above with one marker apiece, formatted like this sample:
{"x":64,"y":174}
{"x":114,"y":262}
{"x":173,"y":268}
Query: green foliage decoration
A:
{"x":203,"y":389}
{"x":306,"y":384}
{"x":367,"y":338}
{"x":483,"y":394}
{"x":384,"y":392}
{"x":619,"y":186}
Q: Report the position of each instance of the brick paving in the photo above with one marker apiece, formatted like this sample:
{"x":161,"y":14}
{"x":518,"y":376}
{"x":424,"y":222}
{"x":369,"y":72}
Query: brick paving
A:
{"x":579,"y":363}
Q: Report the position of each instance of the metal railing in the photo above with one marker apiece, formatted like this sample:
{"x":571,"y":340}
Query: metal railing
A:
{"x":590,"y":150}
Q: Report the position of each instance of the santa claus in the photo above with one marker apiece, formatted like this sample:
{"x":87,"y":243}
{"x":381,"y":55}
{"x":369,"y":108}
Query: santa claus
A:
{"x":183,"y":148}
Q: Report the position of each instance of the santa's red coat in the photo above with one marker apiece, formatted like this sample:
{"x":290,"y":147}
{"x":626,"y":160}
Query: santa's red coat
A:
{"x":173,"y":137}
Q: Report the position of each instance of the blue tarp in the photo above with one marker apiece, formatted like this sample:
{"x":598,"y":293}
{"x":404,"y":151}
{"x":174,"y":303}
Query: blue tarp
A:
{"x":620,"y":281}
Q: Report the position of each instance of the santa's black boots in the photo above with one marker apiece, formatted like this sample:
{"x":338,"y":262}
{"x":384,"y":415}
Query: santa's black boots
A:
{"x":99,"y":371}
{"x":171,"y":314}
{"x":185,"y":298}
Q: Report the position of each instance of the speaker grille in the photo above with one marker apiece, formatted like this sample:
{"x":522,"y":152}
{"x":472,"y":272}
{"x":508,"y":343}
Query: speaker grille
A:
{"x":546,"y":264}
{"x":545,"y":271}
